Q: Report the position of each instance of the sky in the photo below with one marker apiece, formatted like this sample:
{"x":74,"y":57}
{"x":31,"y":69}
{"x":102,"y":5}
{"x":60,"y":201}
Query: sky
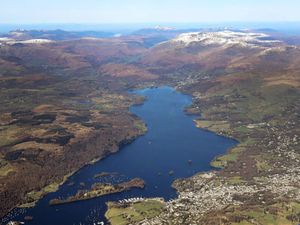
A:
{"x":147,"y":11}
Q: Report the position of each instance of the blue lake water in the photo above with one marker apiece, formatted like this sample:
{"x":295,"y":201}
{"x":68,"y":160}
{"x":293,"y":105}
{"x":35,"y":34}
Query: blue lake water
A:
{"x":171,"y":141}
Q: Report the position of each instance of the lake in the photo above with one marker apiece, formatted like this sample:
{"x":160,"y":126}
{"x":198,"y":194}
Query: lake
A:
{"x":171,"y":142}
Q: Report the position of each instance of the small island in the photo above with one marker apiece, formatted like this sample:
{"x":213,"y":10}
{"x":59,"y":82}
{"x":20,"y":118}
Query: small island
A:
{"x":104,"y":174}
{"x":100,"y":189}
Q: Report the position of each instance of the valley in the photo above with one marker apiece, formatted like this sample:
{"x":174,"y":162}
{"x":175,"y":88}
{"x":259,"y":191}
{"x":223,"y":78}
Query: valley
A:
{"x":261,"y":174}
{"x":66,"y":103}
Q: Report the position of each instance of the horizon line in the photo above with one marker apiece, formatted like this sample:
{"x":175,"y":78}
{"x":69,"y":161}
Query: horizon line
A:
{"x":112,"y":23}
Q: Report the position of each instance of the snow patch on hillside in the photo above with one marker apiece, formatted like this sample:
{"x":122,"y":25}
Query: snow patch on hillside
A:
{"x":11,"y":41}
{"x":36,"y":41}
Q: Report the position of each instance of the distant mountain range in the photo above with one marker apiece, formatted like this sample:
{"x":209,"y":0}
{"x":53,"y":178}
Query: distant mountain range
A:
{"x":57,"y":35}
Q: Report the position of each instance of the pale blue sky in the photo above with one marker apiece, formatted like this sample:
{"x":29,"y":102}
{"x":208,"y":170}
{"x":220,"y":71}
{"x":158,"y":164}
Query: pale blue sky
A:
{"x":147,"y":11}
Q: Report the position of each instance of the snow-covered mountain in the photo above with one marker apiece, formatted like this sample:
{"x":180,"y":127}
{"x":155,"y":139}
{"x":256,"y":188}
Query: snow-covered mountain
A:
{"x":232,"y":49}
{"x":227,"y":37}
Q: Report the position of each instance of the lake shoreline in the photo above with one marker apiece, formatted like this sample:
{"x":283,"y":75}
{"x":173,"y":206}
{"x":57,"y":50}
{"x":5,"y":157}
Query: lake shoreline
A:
{"x":169,"y":95}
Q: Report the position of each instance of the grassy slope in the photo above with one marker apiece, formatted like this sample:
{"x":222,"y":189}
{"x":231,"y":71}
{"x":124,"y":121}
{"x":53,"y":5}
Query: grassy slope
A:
{"x":54,"y":98}
{"x":247,"y":112}
{"x":138,"y":211}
